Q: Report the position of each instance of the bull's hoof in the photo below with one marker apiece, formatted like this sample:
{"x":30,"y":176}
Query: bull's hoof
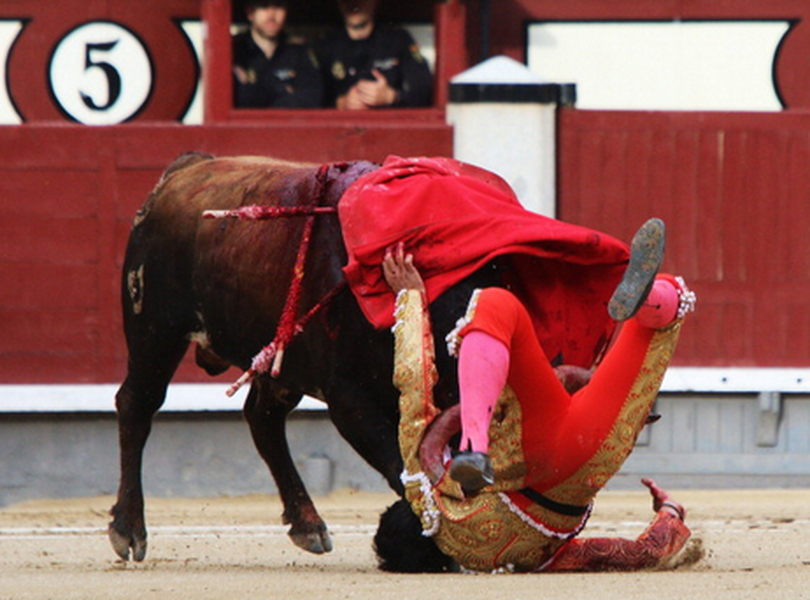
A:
{"x":317,"y":542}
{"x":122,"y":544}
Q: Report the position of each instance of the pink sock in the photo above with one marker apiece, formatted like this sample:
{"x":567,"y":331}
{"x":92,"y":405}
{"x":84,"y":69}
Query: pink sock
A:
{"x":661,"y":306}
{"x":483,"y":365}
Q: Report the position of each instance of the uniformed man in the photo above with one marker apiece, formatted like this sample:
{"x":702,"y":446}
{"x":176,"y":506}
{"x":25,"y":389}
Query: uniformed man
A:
{"x":269,"y":69}
{"x":369,"y":65}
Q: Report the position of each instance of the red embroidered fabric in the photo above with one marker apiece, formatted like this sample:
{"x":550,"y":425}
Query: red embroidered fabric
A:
{"x":663,"y":539}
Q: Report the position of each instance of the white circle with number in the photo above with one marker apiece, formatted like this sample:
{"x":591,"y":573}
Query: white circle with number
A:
{"x":101,"y":74}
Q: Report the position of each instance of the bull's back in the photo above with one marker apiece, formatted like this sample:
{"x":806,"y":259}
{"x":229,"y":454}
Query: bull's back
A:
{"x":190,"y":188}
{"x":231,"y":278}
{"x":171,"y":226}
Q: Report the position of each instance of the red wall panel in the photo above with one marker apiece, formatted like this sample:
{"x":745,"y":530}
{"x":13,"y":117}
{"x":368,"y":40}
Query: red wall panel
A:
{"x":47,"y":285}
{"x":733,"y":188}
{"x":48,"y":239}
{"x":68,"y":196}
{"x":735,"y":192}
{"x":66,"y":193}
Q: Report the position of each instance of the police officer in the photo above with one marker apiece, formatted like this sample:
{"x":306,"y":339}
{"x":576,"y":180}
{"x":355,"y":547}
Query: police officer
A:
{"x":368,"y":65}
{"x":269,"y":69}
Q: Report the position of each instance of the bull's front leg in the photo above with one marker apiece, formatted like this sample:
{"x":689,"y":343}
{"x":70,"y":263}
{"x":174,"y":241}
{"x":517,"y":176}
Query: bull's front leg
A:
{"x":266,"y":410}
{"x":369,"y":422}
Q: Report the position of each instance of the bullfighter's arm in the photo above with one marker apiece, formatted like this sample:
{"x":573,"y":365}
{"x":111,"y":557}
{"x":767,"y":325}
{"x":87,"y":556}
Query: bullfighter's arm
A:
{"x":664,"y":538}
{"x":414,"y":361}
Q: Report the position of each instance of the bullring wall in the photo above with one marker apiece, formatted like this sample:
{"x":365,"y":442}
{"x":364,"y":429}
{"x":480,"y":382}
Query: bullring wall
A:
{"x":733,"y":188}
{"x":69,"y":196}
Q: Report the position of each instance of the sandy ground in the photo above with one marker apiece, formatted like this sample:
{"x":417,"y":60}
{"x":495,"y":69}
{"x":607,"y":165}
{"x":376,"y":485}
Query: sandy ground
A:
{"x":752,"y":544}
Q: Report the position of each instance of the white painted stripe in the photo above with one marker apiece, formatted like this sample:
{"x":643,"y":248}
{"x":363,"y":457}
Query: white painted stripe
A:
{"x":736,"y":379}
{"x":616,"y":529}
{"x":181,"y":397}
{"x":194,"y":397}
{"x":181,"y":531}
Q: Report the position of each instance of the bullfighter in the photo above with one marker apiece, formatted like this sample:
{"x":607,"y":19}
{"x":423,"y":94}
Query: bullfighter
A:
{"x":534,"y":454}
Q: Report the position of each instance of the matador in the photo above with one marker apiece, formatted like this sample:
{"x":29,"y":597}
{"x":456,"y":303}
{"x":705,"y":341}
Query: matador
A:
{"x":550,"y":451}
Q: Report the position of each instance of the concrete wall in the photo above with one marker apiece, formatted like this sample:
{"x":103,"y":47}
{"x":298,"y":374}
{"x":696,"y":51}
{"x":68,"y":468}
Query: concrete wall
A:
{"x":189,"y":454}
{"x":716,"y":441}
{"x":702,"y":441}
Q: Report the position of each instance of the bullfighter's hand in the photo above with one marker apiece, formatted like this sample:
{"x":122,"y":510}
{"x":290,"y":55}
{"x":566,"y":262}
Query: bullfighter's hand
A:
{"x":662,"y":499}
{"x":399,"y":270}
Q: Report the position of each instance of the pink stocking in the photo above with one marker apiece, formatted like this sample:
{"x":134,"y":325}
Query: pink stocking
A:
{"x":661,"y":306}
{"x":483,"y":365}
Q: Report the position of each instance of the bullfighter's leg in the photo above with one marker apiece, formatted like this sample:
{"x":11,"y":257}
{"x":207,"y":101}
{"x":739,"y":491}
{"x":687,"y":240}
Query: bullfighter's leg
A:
{"x":485,"y":364}
{"x":266,"y":410}
{"x":480,"y":353}
{"x":620,"y":396}
{"x":151,"y":367}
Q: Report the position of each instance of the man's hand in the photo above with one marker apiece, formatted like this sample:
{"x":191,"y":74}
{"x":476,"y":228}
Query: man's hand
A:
{"x":662,"y":499}
{"x":367,"y":94}
{"x":241,"y":75}
{"x":399,"y":271}
{"x":351,"y":100}
{"x":376,"y":93}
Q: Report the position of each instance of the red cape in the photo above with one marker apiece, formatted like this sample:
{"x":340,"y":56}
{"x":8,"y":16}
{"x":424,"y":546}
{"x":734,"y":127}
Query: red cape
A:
{"x":455,"y":218}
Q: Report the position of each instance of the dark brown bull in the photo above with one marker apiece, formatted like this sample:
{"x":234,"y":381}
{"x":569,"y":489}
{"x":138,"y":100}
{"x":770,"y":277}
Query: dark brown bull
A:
{"x":223,"y":284}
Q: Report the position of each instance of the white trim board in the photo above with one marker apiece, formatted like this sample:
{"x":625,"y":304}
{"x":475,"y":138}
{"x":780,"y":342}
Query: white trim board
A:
{"x":181,"y":397}
{"x":736,"y":379}
{"x":194,"y":397}
{"x":725,"y":65}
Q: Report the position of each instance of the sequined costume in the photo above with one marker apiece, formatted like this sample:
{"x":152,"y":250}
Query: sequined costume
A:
{"x":552,"y":452}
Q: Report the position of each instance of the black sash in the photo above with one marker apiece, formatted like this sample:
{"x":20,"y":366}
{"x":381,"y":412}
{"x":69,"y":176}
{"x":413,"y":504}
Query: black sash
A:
{"x":568,"y":510}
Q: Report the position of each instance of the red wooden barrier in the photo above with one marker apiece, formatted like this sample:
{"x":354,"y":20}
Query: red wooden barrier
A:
{"x":69,"y":194}
{"x":735,"y":191}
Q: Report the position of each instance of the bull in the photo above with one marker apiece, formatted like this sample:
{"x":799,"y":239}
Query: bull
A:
{"x":225,"y":286}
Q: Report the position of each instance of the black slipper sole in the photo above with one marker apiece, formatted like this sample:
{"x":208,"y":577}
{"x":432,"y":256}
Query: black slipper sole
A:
{"x":646,"y":257}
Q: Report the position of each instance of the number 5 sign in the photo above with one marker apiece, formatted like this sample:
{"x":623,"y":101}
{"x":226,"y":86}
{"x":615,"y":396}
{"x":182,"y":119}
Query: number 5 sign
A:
{"x":101,"y":64}
{"x":100,"y":74}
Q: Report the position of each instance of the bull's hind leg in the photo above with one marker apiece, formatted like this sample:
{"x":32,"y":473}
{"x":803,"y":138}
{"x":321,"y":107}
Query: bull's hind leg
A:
{"x":138,"y":399}
{"x":266,"y":410}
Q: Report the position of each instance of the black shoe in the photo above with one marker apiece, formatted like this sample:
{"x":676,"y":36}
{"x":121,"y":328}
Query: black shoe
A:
{"x":646,"y":256}
{"x":473,"y":470}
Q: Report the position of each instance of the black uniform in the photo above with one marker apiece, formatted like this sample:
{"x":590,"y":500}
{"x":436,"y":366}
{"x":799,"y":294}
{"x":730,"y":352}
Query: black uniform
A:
{"x":391,"y":51}
{"x":290,"y":78}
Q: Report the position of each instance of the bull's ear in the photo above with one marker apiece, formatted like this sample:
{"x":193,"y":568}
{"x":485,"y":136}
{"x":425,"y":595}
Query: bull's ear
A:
{"x":401,"y":547}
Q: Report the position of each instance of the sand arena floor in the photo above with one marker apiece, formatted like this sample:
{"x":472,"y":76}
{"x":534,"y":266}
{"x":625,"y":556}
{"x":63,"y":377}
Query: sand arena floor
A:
{"x":746,"y":544}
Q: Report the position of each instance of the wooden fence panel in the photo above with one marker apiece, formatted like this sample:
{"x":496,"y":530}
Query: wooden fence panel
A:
{"x":68,"y":196}
{"x":734,"y":190}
